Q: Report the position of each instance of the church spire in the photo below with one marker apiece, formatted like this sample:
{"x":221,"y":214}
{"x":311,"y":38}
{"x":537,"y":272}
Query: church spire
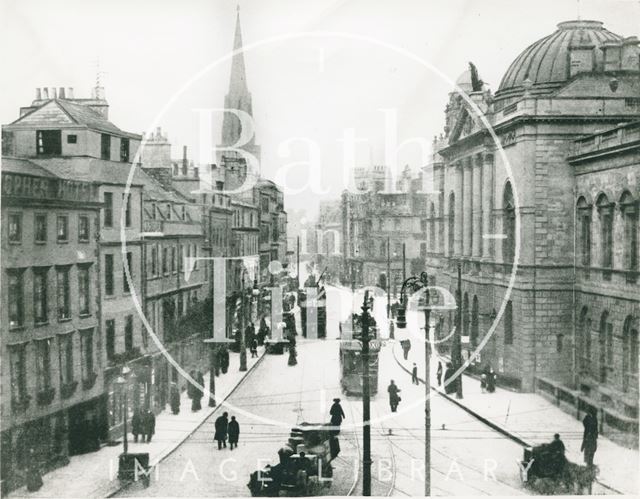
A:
{"x":238,"y":97}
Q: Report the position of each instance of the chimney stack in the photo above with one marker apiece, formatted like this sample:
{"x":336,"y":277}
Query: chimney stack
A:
{"x":38,"y":94}
{"x":45,"y":93}
{"x":61,"y":93}
{"x":630,"y":54}
{"x":185,"y":163}
{"x":611,"y":51}
{"x":70,"y":93}
{"x":53,"y":93}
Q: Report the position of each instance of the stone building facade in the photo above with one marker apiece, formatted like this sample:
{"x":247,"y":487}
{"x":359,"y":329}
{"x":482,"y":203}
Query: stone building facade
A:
{"x":505,"y":210}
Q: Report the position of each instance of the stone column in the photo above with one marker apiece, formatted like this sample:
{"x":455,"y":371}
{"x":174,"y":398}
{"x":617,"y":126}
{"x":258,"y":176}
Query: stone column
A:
{"x":477,"y":206}
{"x":467,"y":207}
{"x":487,"y":204}
{"x":457,"y":242}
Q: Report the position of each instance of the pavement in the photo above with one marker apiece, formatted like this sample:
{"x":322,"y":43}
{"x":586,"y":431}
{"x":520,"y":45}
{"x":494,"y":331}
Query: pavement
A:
{"x":95,"y":474}
{"x":530,"y":419}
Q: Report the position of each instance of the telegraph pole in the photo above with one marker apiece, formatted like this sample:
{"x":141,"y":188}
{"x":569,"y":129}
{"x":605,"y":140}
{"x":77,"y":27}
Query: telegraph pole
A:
{"x":389,"y":285}
{"x":427,"y":392}
{"x":458,"y":339}
{"x":366,"y":416}
{"x":404,"y":262}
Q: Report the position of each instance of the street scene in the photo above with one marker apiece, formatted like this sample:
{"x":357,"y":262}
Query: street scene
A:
{"x":267,"y":249}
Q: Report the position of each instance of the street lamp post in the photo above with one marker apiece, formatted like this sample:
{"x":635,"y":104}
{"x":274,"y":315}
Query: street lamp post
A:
{"x":417,"y":283}
{"x":457,"y":361}
{"x":243,"y":339}
{"x":389,"y":285}
{"x":366,"y":402}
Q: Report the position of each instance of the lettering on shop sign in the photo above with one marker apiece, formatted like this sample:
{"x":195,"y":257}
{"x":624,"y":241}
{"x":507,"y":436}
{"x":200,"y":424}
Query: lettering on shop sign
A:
{"x":46,"y":188}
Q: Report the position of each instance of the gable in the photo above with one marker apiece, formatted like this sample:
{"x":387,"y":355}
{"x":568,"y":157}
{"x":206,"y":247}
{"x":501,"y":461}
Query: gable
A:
{"x":49,"y":114}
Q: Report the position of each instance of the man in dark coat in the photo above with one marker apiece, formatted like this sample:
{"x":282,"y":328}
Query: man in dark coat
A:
{"x":221,"y":427}
{"x":590,"y":436}
{"x":406,"y":346}
{"x":148,"y":425}
{"x":136,"y":425}
{"x":439,"y":373}
{"x":394,"y":398}
{"x":174,"y":398}
{"x":337,"y":415}
{"x":234,"y":432}
{"x":414,"y":374}
{"x":254,"y":348}
{"x":450,"y":384}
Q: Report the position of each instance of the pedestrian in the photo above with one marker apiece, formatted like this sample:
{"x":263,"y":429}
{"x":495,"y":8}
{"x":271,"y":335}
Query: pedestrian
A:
{"x":148,"y":425}
{"x":174,"y":398}
{"x":406,"y":346}
{"x":590,"y":436}
{"x":491,"y":380}
{"x":200,"y":389}
{"x":234,"y":433}
{"x":263,"y":332}
{"x":449,"y":382}
{"x":394,"y":398}
{"x":483,"y":382}
{"x":136,"y":425}
{"x":221,"y":427}
{"x":337,"y":415}
{"x":414,"y":374}
{"x":392,"y":329}
{"x":439,"y":373}
{"x":34,"y":478}
{"x":254,"y":348}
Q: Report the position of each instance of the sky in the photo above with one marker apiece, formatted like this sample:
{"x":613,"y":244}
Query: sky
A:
{"x":316,"y":69}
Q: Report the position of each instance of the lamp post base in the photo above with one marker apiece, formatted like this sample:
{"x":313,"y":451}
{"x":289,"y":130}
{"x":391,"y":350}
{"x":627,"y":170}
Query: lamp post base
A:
{"x":243,"y":360}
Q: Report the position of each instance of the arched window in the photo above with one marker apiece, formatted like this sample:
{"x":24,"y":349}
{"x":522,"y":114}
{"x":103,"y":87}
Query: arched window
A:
{"x":584,"y":232}
{"x":605,"y":344}
{"x":630,"y":354}
{"x":605,"y":212}
{"x":423,"y":250}
{"x":629,"y":208}
{"x":432,"y":227}
{"x":583,"y":346}
{"x":475,"y":321}
{"x":508,"y":324}
{"x":508,"y":224}
{"x":452,"y":221}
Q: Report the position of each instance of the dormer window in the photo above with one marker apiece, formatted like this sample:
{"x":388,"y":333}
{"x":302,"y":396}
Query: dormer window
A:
{"x":49,"y":142}
{"x":184,"y":212}
{"x":168,"y":212}
{"x":124,"y":150}
{"x":105,"y":146}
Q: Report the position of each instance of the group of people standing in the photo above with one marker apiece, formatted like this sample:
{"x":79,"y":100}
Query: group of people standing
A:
{"x":195,"y":391}
{"x":143,"y":423}
{"x":225,"y":429}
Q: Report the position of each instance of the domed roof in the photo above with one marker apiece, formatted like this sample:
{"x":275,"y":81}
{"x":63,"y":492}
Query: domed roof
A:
{"x":547,"y":60}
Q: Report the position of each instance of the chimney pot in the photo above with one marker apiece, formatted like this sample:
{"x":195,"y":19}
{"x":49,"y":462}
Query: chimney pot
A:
{"x":61,"y":93}
{"x":53,"y":93}
{"x":45,"y":93}
{"x":38,"y":94}
{"x":70,"y":93}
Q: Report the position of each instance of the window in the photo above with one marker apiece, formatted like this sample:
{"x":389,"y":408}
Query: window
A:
{"x":86,"y":349}
{"x":165,"y":260}
{"x":508,"y":324}
{"x":173,"y":258}
{"x":559,"y":343}
{"x":105,"y":146}
{"x":605,"y":210}
{"x":423,"y":250}
{"x":124,"y":150}
{"x":153,"y":211}
{"x":629,"y":209}
{"x":16,"y":298}
{"x":128,"y":333}
{"x":108,"y":275}
{"x":383,"y":249}
{"x":84,"y":290}
{"x":40,"y":305}
{"x":180,"y":257}
{"x":154,"y":260}
{"x":195,"y":256}
{"x":451,"y":222}
{"x":43,"y":364}
{"x":264,"y":206}
{"x":584,"y":341}
{"x":432,"y":228}
{"x":168,"y":212}
{"x":72,"y":139}
{"x":40,"y":228}
{"x":127,"y":264}
{"x":62,"y":228}
{"x":630,"y":354}
{"x":110,"y":336}
{"x":508,"y":224}
{"x":108,"y":209}
{"x":602,"y":343}
{"x":126,"y":203}
{"x":18,"y":364}
{"x":66,"y":358}
{"x":15,"y":227}
{"x":475,"y":322}
{"x":180,"y":305}
{"x":584,"y":224}
{"x":48,"y":142}
{"x":219,"y":185}
{"x":184,"y":212}
{"x":83,"y":228}
{"x":423,"y":226}
{"x":63,"y":294}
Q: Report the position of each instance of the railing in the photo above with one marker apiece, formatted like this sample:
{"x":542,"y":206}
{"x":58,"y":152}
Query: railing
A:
{"x":619,"y":136}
